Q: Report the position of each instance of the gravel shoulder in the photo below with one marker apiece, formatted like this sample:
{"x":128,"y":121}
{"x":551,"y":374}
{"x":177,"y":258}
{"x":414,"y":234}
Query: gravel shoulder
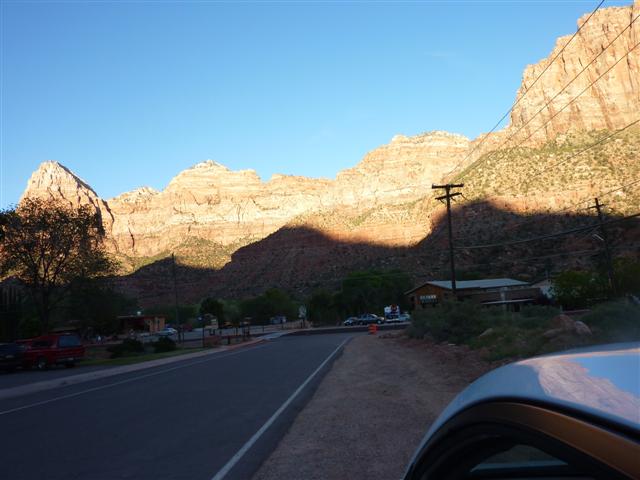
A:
{"x":372,"y":409}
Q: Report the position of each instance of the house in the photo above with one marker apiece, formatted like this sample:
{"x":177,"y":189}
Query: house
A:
{"x":494,"y":291}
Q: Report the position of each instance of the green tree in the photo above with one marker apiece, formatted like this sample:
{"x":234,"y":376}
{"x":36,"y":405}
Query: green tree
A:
{"x":213,"y":307}
{"x":47,"y":246}
{"x":322,"y":308}
{"x":372,"y":290}
{"x":271,"y":303}
{"x":232,"y":311}
{"x":96,"y":306}
{"x":627,"y":275}
{"x":578,"y":289}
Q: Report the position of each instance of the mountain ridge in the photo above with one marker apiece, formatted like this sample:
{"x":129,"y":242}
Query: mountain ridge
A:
{"x":386,"y":198}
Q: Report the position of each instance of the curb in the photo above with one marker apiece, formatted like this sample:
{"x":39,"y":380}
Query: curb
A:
{"x":111,"y":372}
{"x":355,"y":328}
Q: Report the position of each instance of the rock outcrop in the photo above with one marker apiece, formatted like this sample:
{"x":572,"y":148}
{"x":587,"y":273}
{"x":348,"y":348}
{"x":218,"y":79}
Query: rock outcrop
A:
{"x":53,"y":181}
{"x":606,"y":88}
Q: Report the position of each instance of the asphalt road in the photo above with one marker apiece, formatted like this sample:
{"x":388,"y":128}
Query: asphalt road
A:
{"x":25,"y":377}
{"x":186,"y":420}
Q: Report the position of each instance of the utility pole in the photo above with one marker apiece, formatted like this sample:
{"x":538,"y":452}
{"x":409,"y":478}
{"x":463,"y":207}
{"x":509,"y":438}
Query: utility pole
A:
{"x":175,"y":293}
{"x":607,"y":251}
{"x":448,"y":196}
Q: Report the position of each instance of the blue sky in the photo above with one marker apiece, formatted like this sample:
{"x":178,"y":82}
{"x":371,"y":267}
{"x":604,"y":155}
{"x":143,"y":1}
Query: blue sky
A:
{"x":127,"y":94}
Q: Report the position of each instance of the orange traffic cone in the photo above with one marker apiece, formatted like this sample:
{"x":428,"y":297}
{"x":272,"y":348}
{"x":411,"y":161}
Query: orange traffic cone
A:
{"x":373,"y":329}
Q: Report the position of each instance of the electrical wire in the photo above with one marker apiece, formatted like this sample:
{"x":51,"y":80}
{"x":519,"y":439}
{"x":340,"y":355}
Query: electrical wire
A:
{"x":544,"y":237}
{"x":528,"y":89}
{"x":512,"y":135}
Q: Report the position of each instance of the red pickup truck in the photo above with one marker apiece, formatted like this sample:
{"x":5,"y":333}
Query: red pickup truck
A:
{"x":54,"y":349}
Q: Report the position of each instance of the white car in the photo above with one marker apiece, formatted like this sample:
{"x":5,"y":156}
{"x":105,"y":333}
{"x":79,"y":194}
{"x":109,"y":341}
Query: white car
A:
{"x":167,"y":332}
{"x":403,"y":317}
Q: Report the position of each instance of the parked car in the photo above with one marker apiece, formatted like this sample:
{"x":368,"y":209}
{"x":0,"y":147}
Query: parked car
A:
{"x":54,"y":349}
{"x":569,"y":415}
{"x":369,"y":318}
{"x":350,"y":321}
{"x":402,"y":317}
{"x":11,"y":356}
{"x":167,"y":332}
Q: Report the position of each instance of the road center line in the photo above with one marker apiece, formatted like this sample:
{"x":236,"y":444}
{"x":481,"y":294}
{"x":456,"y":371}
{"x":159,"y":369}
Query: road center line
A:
{"x":245,"y":448}
{"x":128,"y":380}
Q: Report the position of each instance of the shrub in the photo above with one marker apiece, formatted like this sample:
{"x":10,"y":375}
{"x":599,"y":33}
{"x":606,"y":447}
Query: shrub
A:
{"x":617,"y":321}
{"x":511,"y":335}
{"x":510,"y":340}
{"x":544,"y":311}
{"x":533,"y":317}
{"x":127,"y":347}
{"x":164,"y":344}
{"x":457,"y":322}
{"x":576,"y":289}
{"x":420,"y":325}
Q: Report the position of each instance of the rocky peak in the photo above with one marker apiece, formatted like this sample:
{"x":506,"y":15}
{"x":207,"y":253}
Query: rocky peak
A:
{"x":54,"y":181}
{"x":210,"y":164}
{"x":432,"y":137}
{"x":210,"y":174}
{"x":141,"y":194}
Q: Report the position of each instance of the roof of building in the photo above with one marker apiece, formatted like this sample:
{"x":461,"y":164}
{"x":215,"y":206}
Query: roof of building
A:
{"x":469,"y":284}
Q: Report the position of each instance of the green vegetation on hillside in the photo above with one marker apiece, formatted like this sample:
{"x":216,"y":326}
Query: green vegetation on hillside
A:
{"x":558,"y":166}
{"x":192,"y":252}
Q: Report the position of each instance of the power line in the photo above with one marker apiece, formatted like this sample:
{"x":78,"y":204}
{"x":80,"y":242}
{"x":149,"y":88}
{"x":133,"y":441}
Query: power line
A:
{"x":518,"y":100}
{"x":569,"y":207}
{"x":433,"y":236}
{"x":565,"y":87}
{"x":527,"y":260}
{"x":544,"y":237}
{"x":594,"y":144}
{"x":536,"y":260}
{"x":584,"y":90}
{"x":565,"y":106}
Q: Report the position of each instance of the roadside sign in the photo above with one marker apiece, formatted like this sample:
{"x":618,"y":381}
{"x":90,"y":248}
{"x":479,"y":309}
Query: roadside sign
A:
{"x":302,"y":311}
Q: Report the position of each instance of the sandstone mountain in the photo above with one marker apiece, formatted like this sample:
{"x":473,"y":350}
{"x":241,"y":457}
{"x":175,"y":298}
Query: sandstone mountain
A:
{"x":561,"y":147}
{"x":211,"y":202}
{"x":608,"y":91}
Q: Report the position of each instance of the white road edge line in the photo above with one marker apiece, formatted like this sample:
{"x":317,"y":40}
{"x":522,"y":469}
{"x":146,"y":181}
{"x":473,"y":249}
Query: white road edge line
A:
{"x":128,"y":380}
{"x":245,"y":448}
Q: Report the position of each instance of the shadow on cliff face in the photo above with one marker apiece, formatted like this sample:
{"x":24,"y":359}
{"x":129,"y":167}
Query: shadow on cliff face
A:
{"x":302,"y":259}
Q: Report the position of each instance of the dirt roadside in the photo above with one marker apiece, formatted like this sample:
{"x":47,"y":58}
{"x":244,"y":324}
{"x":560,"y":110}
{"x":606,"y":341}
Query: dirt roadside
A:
{"x":372,"y":409}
